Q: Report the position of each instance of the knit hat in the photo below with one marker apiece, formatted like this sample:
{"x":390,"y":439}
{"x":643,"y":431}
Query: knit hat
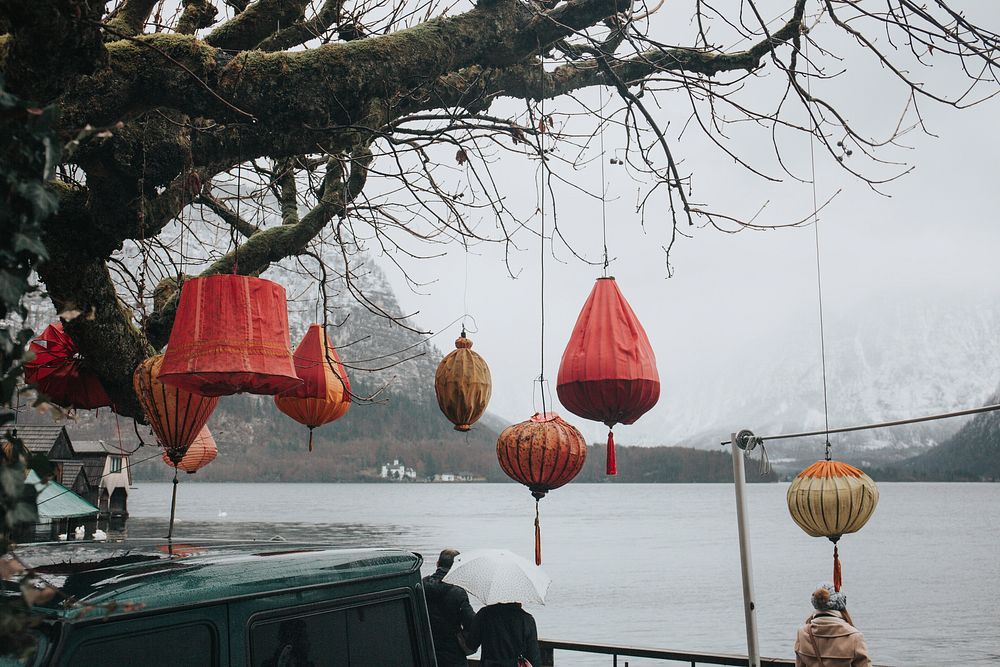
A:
{"x":825,"y":598}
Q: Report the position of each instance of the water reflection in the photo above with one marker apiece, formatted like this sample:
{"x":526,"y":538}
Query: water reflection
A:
{"x":334,"y":534}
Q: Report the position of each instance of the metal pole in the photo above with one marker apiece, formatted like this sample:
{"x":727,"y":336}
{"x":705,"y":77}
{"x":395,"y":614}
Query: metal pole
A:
{"x":749,"y":606}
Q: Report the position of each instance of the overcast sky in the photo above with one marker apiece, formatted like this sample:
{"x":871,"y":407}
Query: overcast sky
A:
{"x":936,"y":234}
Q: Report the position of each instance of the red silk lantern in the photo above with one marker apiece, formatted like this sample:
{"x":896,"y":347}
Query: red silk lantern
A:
{"x":608,"y":370}
{"x":176,"y":416}
{"x":543,"y":453}
{"x":57,"y":371}
{"x":230,"y":335}
{"x":199,"y":454}
{"x":325,"y":392}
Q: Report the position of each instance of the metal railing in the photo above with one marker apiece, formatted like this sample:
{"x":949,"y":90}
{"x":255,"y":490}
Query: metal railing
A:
{"x":549,"y":647}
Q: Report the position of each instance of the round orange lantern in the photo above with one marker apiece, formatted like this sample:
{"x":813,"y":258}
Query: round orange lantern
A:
{"x":463,"y":385}
{"x":175,"y":415}
{"x":543,"y":453}
{"x":830,"y":499}
{"x":230,"y":335}
{"x":199,"y":454}
{"x":325,"y":392}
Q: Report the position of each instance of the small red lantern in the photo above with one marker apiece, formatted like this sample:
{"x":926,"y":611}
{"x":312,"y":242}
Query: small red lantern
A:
{"x":325,"y":392}
{"x":199,"y":454}
{"x":230,"y":335}
{"x":543,"y":453}
{"x":57,"y":371}
{"x":608,"y":370}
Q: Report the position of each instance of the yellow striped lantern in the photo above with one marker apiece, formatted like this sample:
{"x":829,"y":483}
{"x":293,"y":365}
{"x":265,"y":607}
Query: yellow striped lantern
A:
{"x":829,"y":499}
{"x":463,"y":385}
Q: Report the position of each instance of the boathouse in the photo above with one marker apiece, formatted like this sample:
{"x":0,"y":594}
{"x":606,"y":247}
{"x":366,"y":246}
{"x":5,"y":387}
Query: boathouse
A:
{"x":94,"y":470}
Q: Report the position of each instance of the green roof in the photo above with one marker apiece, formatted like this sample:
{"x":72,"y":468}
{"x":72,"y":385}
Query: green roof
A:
{"x":55,"y":501}
{"x":145,"y":573}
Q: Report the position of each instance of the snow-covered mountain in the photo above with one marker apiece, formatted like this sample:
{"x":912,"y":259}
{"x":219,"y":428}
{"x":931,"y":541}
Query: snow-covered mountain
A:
{"x":888,"y":361}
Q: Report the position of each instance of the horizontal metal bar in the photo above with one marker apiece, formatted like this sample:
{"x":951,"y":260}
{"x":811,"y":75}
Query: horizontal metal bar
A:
{"x":662,"y":654}
{"x":865,"y":427}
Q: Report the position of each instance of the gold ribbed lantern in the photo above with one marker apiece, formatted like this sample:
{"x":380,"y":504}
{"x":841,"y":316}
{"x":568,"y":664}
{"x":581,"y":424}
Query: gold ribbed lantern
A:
{"x":829,"y":499}
{"x":463,"y":385}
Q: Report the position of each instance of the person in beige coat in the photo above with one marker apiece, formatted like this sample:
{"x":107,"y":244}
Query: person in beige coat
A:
{"x":828,"y":637}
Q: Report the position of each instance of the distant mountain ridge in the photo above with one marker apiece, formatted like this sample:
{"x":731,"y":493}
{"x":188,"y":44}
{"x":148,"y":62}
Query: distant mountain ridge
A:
{"x":889,"y":360}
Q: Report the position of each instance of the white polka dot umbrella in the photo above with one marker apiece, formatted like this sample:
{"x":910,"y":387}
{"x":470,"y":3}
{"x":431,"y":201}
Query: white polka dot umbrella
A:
{"x":497,"y":575}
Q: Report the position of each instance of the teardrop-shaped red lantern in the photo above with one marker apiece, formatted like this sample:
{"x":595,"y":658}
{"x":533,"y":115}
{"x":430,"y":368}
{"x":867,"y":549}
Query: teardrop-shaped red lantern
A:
{"x":175,"y":415}
{"x":230,"y":335}
{"x":543,"y":453}
{"x":56,"y":371}
{"x":199,"y":454}
{"x":608,"y":370}
{"x":325,"y":392}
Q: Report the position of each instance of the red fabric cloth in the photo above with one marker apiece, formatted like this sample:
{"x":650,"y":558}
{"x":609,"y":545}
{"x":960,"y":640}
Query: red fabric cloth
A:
{"x":57,"y":372}
{"x":230,"y":335}
{"x":608,"y":370}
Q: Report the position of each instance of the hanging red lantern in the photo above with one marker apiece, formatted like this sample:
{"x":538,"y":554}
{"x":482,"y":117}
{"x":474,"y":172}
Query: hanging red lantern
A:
{"x":463,"y":385}
{"x":325,"y":392}
{"x":543,"y":453}
{"x":199,"y":454}
{"x":829,"y":499}
{"x":608,"y":370}
{"x":57,"y":371}
{"x":230,"y":335}
{"x":175,"y":415}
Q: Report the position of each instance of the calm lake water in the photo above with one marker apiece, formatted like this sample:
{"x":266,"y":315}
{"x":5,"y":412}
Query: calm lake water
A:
{"x":658,"y":565}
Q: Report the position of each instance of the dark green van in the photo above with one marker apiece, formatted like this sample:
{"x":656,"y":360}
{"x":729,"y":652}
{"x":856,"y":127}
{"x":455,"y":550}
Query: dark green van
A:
{"x":260,"y":604}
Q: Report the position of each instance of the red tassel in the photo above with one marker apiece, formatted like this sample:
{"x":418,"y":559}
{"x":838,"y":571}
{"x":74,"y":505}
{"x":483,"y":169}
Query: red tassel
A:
{"x":612,"y":467}
{"x":310,"y":440}
{"x":538,"y":538}
{"x":837,"y":578}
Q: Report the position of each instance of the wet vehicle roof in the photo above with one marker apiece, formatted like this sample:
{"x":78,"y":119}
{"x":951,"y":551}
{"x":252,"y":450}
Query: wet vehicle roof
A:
{"x":156,"y":574}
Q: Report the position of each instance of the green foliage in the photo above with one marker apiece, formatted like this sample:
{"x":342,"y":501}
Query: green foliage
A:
{"x":28,"y":155}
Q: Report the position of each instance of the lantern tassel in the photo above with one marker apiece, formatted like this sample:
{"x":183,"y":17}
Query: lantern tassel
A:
{"x":310,"y":439}
{"x":837,"y":577}
{"x":612,"y":465}
{"x":538,"y":537}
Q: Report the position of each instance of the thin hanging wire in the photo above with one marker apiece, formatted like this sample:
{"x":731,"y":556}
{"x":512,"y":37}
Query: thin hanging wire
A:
{"x":604,"y":185}
{"x":819,"y":274}
{"x":541,"y":245}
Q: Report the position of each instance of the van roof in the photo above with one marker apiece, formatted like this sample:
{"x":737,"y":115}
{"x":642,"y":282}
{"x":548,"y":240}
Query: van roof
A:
{"x":101,"y":577}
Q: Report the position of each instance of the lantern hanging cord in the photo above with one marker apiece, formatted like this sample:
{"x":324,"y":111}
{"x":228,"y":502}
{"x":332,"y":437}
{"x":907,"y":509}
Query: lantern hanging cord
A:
{"x":604,"y":213}
{"x":867,"y":427}
{"x":541,"y":194}
{"x":819,"y":275}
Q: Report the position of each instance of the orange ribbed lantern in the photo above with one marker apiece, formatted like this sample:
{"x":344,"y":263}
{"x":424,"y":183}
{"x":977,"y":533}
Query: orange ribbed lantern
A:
{"x":463,"y":385}
{"x":175,"y":415}
{"x":199,"y":454}
{"x":325,"y":392}
{"x":543,"y":453}
{"x":230,"y":335}
{"x":829,"y":499}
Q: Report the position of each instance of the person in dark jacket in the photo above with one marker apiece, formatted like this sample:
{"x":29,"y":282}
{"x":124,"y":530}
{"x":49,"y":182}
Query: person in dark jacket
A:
{"x":450,"y":613}
{"x":506,"y":632}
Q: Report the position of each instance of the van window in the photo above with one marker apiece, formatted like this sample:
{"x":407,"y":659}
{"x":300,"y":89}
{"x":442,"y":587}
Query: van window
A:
{"x":371,"y":635}
{"x":192,"y":644}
